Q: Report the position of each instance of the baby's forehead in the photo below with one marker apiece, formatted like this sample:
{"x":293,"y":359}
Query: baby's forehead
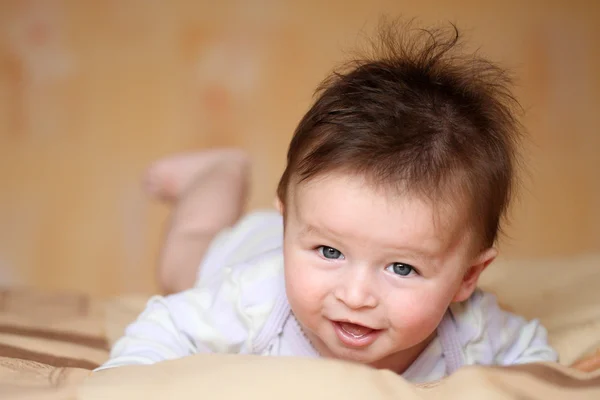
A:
{"x":355,"y":204}
{"x":445,"y":202}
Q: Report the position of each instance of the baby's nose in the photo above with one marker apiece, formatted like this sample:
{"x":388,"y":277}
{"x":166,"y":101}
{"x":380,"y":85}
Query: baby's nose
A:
{"x":357,"y":291}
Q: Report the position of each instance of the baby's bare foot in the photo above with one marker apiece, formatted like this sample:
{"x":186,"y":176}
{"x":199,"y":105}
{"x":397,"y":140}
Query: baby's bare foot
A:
{"x":167,"y":178}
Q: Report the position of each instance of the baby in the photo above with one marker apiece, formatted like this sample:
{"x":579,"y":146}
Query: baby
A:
{"x":396,"y":182}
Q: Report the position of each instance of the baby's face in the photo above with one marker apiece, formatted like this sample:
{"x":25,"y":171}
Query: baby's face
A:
{"x":370,"y":276}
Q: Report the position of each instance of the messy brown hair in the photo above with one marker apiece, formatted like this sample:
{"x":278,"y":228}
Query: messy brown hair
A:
{"x":417,"y":115}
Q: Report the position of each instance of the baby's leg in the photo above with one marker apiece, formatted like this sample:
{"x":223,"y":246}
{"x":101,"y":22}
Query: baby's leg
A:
{"x":208,"y":190}
{"x":168,"y":178}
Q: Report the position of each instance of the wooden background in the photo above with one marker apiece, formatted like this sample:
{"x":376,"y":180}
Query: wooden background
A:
{"x":93,"y":91}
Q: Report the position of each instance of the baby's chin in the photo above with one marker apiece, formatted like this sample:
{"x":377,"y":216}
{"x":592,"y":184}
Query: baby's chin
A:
{"x":369,"y":356}
{"x":384,"y":356}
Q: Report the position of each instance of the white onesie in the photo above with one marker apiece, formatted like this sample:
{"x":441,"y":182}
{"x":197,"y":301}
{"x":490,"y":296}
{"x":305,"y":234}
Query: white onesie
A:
{"x":239,"y":305}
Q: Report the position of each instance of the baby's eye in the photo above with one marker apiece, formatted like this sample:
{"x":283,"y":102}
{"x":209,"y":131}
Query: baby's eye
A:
{"x":330,"y":253}
{"x":401,"y":269}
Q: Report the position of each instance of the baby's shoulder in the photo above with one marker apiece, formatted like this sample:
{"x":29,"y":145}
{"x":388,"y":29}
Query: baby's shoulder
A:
{"x":478,"y":322}
{"x":479,"y":308}
{"x":251,"y":242}
{"x":248,"y":258}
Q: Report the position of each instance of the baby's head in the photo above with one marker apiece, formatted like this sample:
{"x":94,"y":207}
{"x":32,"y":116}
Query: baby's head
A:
{"x":397,"y":179}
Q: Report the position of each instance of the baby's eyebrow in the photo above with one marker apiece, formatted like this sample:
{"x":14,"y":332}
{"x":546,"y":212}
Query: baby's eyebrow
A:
{"x":309,"y":229}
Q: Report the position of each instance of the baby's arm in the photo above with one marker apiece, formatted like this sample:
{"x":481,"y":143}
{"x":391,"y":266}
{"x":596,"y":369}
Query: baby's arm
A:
{"x":200,"y":320}
{"x":514,"y":339}
{"x":162,"y":332}
{"x":524,"y":342}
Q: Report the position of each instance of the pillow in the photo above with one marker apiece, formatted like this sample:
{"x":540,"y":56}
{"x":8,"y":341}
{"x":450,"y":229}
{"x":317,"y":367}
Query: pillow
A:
{"x":220,"y":376}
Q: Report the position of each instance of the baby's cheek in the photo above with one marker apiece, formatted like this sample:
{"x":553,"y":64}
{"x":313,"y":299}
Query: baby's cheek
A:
{"x":301,"y":283}
{"x":419,"y":314}
{"x":307,"y":284}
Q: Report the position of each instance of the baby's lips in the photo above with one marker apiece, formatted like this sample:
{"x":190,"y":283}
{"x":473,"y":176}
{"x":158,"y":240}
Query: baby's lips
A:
{"x":355,"y":329}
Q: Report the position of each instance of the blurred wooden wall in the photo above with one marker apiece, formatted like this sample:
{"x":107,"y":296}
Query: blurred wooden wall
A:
{"x":93,"y":91}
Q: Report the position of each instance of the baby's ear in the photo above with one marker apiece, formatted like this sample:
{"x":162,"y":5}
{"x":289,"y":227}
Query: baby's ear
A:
{"x":471,"y":276}
{"x":278,"y":205}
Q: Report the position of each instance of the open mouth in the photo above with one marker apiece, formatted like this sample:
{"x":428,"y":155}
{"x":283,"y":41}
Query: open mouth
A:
{"x":354,"y":335}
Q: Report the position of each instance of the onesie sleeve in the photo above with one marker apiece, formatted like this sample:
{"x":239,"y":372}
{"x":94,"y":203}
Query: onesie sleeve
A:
{"x":168,"y":328}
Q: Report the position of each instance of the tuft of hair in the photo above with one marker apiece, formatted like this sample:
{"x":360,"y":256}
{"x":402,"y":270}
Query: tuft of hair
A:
{"x":417,"y":115}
